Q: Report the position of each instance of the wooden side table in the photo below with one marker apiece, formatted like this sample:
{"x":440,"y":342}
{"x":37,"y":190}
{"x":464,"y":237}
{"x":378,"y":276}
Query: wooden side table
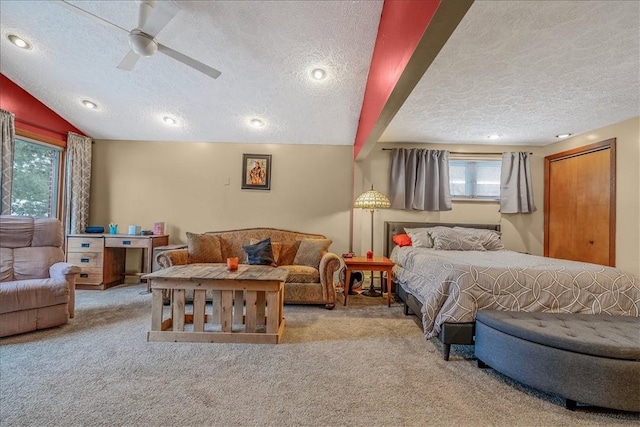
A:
{"x":377,"y":263}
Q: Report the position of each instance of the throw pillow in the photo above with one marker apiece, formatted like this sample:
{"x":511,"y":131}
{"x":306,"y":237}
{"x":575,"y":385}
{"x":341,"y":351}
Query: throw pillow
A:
{"x":311,"y":251}
{"x":402,"y":240}
{"x":276,"y":247}
{"x":203,"y":248}
{"x":420,"y":237}
{"x":260,"y":253}
{"x":288,"y":252}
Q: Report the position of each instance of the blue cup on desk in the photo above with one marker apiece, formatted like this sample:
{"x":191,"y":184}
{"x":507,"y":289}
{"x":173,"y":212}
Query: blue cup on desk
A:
{"x":113,"y":228}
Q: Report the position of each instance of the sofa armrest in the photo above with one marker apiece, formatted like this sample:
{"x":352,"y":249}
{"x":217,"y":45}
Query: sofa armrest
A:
{"x":67,"y":272}
{"x":329,"y":264}
{"x":166,"y":259}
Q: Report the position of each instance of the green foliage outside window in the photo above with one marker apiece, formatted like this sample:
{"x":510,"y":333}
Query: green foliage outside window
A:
{"x":35,"y":179}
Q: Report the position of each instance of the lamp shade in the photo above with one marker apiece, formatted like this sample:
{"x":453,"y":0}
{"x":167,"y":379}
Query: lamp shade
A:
{"x":372,"y":199}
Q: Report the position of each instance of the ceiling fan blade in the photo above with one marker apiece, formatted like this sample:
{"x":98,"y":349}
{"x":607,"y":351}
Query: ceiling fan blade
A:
{"x":89,"y":15}
{"x":129,"y":61}
{"x":156,"y":15}
{"x":144,"y":10}
{"x":211,"y":72}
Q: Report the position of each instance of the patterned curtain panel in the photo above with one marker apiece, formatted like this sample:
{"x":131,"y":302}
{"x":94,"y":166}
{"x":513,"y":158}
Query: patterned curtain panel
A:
{"x":7,"y":128}
{"x":419,"y":180}
{"x":516,"y":189}
{"x":78,"y":182}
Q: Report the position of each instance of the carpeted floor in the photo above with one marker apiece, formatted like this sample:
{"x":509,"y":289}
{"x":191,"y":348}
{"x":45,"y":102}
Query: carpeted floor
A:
{"x":361,"y":365}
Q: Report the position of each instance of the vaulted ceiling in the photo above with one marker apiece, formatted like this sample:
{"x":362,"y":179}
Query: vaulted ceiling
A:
{"x":524,"y":70}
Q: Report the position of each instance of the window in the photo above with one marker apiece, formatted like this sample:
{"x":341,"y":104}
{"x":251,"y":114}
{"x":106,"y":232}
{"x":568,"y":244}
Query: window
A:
{"x":475,"y":179}
{"x":36,"y":177}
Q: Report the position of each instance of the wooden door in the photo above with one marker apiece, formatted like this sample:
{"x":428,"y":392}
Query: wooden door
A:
{"x":579,"y":211}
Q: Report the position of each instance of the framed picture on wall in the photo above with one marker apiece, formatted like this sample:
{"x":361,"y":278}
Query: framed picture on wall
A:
{"x":256,"y":171}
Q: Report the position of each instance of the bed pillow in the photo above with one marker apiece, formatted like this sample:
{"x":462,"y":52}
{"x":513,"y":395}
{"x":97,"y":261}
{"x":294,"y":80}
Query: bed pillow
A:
{"x":260,"y":253}
{"x":311,"y":251}
{"x":490,"y":239}
{"x":203,"y":248}
{"x":449,"y":239}
{"x":420,"y":237}
{"x":402,"y":240}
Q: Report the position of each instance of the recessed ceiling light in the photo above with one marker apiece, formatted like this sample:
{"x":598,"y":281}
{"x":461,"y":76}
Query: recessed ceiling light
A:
{"x":170,"y":121}
{"x":19,"y":41}
{"x":256,"y":123}
{"x":494,"y":136}
{"x":563,"y":135}
{"x":318,"y":74}
{"x":89,"y":104}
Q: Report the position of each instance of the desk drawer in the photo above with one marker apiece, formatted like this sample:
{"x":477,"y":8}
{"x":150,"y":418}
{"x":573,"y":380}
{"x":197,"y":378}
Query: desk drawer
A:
{"x":89,"y":276}
{"x":85,"y":259}
{"x":83,"y":244}
{"x":126,"y":242}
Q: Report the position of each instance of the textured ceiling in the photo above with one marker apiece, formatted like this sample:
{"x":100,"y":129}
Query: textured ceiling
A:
{"x":264,"y":49}
{"x":527,"y":70}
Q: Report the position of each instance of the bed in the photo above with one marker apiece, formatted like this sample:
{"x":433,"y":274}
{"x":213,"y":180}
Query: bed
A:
{"x":447,"y":287}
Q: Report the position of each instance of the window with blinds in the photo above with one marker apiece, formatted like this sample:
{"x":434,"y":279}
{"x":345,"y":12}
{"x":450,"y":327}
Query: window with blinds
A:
{"x":475,"y":179}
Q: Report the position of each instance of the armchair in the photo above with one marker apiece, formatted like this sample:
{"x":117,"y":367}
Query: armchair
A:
{"x":37,"y":289}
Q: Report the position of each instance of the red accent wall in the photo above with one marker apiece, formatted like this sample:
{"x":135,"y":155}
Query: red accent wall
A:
{"x":402,"y":25}
{"x":32,"y":115}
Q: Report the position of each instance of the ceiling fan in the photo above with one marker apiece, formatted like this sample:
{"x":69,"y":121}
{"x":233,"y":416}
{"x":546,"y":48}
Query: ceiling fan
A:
{"x":152,"y":18}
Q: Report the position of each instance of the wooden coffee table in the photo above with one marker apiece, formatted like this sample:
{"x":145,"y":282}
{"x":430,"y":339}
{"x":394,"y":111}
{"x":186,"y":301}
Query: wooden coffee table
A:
{"x":248,"y":304}
{"x":377,"y":263}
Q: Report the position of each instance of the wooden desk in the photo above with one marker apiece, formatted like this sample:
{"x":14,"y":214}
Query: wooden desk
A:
{"x":102,"y":257}
{"x":248,"y":304}
{"x":377,"y":263}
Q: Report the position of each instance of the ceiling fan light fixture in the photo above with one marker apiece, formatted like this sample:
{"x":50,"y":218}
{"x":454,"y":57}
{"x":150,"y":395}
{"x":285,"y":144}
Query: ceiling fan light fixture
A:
{"x":256,"y":123}
{"x":318,"y":74}
{"x":90,"y":105}
{"x":170,"y":121}
{"x":19,"y":41}
{"x":142,"y":44}
{"x":563,"y":135}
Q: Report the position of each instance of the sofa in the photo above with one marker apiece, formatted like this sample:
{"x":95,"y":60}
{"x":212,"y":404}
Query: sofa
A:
{"x":311,"y":266}
{"x":37,"y":289}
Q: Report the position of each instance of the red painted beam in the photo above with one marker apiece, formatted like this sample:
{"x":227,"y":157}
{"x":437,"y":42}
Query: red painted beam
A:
{"x":402,"y":24}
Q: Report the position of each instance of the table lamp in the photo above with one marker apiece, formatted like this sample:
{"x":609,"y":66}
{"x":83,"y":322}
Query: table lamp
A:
{"x":372,"y":200}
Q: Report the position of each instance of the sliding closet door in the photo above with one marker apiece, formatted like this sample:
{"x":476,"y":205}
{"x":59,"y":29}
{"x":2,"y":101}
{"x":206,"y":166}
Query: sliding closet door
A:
{"x":580,"y":204}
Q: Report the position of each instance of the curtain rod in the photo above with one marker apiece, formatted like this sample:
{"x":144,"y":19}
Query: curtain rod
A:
{"x":461,"y":152}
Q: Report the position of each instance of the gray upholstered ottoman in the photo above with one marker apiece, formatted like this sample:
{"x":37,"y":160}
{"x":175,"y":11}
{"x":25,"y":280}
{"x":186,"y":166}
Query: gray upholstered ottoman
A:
{"x":587,"y":358}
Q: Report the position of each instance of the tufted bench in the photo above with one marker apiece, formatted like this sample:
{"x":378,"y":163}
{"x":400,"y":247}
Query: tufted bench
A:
{"x":587,"y":358}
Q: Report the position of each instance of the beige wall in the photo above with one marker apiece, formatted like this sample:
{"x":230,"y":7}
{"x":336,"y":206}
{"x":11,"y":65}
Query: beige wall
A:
{"x":627,"y":136}
{"x":521,"y":232}
{"x":184,"y":185}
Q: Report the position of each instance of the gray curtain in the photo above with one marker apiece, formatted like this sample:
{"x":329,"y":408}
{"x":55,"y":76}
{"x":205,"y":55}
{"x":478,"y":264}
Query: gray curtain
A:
{"x":419,"y":180}
{"x":78,"y":182}
{"x":516,"y":190}
{"x":8,"y":134}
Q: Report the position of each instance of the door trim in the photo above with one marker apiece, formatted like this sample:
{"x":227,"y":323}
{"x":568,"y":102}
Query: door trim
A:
{"x":609,"y":144}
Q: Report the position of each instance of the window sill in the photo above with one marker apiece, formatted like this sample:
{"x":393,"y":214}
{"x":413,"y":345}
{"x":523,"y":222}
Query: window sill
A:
{"x":458,"y":200}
